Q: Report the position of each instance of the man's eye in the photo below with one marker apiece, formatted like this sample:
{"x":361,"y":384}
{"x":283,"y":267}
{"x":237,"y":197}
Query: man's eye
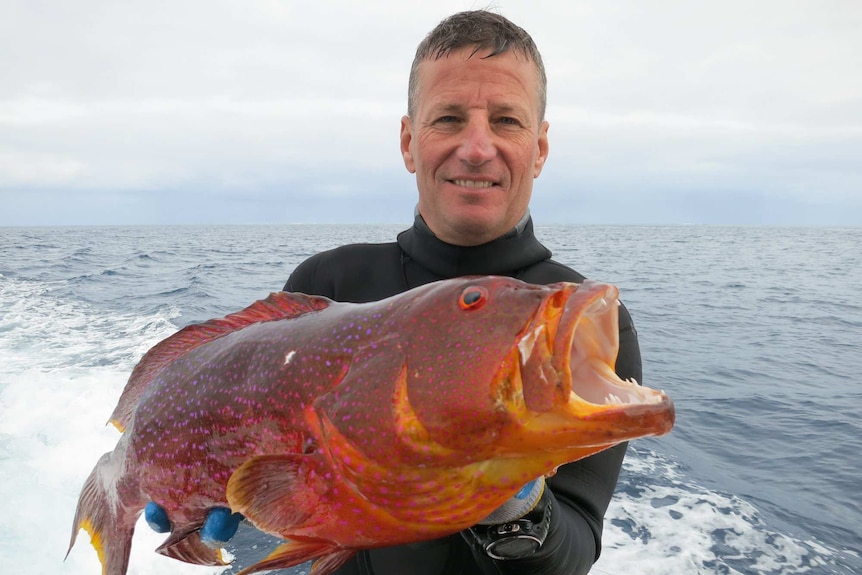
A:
{"x":447,"y":119}
{"x":509,"y":121}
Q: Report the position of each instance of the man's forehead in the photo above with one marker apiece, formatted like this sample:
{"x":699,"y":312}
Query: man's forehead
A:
{"x":461,"y":67}
{"x":503,"y":80}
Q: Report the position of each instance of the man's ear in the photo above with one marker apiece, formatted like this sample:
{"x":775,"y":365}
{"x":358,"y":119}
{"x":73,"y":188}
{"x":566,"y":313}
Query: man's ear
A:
{"x":542,"y":155}
{"x":406,"y":140}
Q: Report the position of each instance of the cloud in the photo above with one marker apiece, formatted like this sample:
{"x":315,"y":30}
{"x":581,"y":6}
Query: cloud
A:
{"x":222,"y":111}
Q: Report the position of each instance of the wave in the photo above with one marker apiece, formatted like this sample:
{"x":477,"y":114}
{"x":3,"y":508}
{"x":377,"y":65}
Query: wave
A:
{"x":667,"y":524}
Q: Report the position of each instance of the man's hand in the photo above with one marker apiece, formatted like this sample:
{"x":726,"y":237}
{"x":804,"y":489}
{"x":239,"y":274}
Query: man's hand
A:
{"x":522,"y":503}
{"x":219,"y":526}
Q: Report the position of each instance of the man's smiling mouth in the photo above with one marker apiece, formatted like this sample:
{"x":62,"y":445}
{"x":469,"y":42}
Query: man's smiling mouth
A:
{"x":473,"y":183}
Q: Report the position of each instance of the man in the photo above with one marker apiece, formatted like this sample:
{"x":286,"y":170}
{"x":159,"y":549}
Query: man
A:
{"x":476,"y":138}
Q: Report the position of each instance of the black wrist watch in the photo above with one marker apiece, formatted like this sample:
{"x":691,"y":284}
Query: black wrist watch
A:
{"x":517,"y":539}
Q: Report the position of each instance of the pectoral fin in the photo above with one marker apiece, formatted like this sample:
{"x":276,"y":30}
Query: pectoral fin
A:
{"x":276,"y":492}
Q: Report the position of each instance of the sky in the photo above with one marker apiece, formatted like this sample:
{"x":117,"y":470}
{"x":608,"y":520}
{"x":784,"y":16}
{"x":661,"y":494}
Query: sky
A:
{"x":270,"y":112}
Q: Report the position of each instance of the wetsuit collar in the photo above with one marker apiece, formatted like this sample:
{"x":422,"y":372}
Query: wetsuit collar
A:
{"x":506,"y":255}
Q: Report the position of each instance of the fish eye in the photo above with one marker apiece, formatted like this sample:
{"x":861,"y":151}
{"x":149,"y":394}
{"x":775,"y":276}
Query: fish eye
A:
{"x":473,"y":297}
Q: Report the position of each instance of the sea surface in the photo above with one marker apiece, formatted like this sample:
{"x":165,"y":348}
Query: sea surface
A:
{"x":756,"y":332}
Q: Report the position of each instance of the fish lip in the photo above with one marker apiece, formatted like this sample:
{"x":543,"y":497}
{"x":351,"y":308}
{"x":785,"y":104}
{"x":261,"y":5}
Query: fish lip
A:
{"x":581,"y":325}
{"x":588,"y":333}
{"x":596,"y":392}
{"x":543,"y":348}
{"x":579,"y":388}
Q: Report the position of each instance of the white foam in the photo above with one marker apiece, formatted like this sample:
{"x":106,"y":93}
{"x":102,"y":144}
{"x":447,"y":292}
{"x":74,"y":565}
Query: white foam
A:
{"x":672,"y":526}
{"x":54,"y":401}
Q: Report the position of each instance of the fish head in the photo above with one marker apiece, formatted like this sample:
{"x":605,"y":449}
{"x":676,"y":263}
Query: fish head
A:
{"x":496,"y":367}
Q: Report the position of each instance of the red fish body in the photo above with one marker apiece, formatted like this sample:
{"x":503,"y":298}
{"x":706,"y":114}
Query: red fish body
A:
{"x":348,"y":426}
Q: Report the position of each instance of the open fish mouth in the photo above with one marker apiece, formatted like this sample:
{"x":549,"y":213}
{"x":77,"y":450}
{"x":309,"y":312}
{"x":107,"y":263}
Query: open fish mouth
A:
{"x":593,"y":351}
{"x":564,"y":376}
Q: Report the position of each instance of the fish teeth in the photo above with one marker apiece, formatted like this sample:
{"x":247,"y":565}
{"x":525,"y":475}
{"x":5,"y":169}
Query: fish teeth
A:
{"x":613,"y":399}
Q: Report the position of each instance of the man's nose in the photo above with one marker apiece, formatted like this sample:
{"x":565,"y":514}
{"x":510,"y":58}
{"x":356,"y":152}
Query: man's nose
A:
{"x":477,"y":146}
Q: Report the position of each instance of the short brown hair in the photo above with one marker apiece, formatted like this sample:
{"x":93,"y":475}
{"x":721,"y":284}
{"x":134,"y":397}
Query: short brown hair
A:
{"x":483,"y":30}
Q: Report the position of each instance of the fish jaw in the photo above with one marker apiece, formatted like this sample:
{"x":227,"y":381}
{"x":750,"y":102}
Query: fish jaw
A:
{"x":560,"y":386}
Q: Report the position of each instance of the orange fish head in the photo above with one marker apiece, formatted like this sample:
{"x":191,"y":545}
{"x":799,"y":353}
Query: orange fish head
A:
{"x":501,"y":368}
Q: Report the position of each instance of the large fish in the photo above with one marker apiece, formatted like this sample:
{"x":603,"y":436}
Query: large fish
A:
{"x":341,"y":427}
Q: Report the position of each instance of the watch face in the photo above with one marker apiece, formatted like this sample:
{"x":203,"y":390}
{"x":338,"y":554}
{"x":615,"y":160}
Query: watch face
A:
{"x":513,"y":546}
{"x":517,"y":539}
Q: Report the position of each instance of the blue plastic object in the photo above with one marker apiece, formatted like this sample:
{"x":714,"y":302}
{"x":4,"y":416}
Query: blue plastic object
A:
{"x":220,"y":525}
{"x":157,"y":518}
{"x":526,"y":489}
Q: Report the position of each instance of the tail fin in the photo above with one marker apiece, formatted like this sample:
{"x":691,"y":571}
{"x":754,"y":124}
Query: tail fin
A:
{"x":106,"y":516}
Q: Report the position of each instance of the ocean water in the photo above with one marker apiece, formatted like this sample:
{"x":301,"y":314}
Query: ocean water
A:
{"x":756,"y":332}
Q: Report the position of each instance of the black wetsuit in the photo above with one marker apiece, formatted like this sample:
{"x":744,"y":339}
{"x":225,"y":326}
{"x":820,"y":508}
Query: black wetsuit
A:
{"x":581,"y":490}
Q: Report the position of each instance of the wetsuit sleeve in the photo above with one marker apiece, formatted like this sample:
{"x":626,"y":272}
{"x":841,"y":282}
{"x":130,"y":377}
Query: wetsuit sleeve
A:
{"x":580,"y":492}
{"x":343,"y":274}
{"x":305,"y":279}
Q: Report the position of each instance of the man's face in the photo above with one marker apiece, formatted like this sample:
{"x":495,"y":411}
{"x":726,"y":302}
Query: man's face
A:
{"x":475,"y":144}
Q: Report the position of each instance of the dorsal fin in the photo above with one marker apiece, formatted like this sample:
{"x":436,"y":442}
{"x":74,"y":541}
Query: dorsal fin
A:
{"x":279,"y":305}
